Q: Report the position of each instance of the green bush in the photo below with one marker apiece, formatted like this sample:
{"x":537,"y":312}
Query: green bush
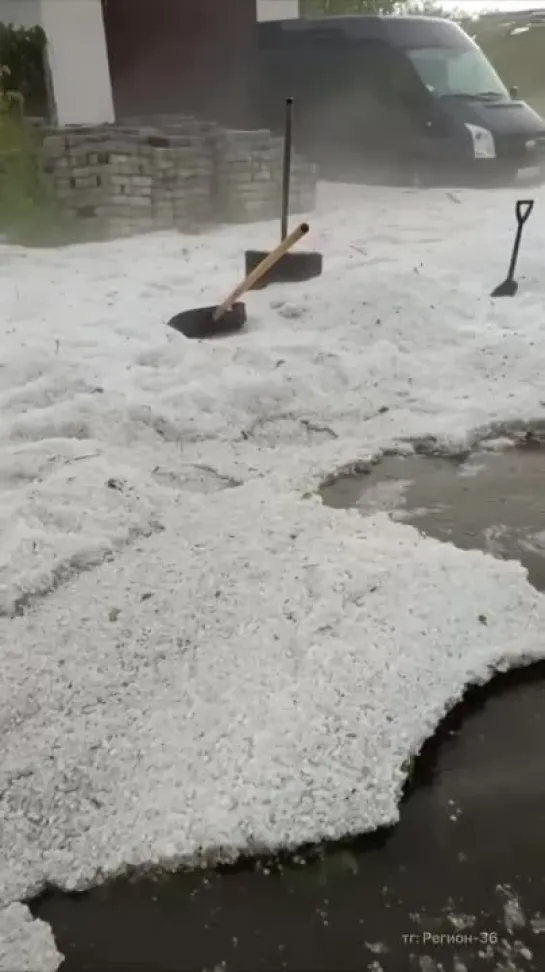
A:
{"x":28,"y":214}
{"x":22,"y":51}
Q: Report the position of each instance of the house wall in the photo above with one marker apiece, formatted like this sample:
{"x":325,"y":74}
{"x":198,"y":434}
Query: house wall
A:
{"x":78,"y":61}
{"x":277,"y":9}
{"x":190,"y":56}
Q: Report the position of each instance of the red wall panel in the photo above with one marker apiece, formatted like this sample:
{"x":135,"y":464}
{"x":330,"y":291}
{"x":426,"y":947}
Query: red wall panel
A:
{"x":181,"y":55}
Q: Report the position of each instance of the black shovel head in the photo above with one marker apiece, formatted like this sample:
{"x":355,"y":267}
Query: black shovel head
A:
{"x":509,"y":287}
{"x":506,"y":289}
{"x":200,"y":323}
{"x":290,"y":268}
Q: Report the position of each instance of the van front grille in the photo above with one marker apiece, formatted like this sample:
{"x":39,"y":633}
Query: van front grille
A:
{"x":512,"y":146}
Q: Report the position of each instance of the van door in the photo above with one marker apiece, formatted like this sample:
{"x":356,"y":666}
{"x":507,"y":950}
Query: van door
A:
{"x":343,"y":108}
{"x":338,"y":113}
{"x":314,"y":67}
{"x":358,"y":100}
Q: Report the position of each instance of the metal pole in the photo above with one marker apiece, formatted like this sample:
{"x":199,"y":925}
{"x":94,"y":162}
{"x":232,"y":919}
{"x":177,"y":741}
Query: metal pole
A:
{"x":286,"y":168}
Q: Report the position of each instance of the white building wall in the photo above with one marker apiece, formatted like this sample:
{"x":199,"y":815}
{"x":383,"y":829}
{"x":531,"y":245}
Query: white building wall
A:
{"x":78,"y":61}
{"x":277,"y":9}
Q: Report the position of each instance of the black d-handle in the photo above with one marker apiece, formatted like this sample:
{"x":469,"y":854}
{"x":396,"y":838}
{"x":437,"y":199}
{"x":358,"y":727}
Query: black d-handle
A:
{"x":523,"y":210}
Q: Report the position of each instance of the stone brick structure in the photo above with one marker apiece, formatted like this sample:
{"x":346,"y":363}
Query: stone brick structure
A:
{"x":169,"y":172}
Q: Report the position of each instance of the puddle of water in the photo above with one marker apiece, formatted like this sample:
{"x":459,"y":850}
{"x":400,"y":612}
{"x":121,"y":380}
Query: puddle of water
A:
{"x":495,"y":501}
{"x":466,"y":860}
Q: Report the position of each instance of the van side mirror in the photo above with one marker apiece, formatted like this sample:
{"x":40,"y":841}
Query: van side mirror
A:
{"x":514,"y":91}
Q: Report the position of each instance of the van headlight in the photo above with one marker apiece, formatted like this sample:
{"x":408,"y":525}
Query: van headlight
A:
{"x":484,"y":146}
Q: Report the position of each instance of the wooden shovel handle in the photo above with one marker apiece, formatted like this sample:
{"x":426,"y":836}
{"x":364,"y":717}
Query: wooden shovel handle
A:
{"x":261,"y":269}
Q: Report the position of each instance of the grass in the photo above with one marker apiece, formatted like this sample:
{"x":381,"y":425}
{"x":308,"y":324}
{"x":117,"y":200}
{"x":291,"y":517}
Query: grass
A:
{"x":28,"y":213}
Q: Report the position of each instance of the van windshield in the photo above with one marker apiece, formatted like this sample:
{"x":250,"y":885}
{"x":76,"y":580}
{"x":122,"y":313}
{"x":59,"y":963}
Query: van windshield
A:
{"x":451,"y":72}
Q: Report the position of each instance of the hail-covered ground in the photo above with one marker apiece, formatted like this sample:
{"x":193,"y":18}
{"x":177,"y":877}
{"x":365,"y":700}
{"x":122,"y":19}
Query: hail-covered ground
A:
{"x":198,"y":659}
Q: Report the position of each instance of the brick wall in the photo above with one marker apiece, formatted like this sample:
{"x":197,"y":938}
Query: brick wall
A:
{"x":171,"y":172}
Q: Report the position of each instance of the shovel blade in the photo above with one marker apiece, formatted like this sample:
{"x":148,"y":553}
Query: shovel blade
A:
{"x":291,"y":268}
{"x":200,"y":323}
{"x":506,"y":289}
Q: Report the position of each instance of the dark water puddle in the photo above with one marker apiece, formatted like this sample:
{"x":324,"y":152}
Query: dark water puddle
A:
{"x":493,"y":501}
{"x":471,"y":840}
{"x":457,"y":886}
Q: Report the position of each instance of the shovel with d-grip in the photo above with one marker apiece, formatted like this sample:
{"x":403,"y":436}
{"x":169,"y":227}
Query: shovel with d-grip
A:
{"x":510,"y":286}
{"x":230,"y":315}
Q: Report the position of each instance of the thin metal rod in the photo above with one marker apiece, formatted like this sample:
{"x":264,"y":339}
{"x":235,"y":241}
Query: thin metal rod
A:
{"x":286,"y":168}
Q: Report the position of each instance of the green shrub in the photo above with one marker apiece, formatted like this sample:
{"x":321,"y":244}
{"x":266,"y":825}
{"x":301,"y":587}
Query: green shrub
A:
{"x":28,"y":214}
{"x":22,"y":51}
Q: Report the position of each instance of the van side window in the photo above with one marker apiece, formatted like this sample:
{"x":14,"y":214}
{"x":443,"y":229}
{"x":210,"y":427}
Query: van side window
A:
{"x":339,"y":81}
{"x":392,"y":75}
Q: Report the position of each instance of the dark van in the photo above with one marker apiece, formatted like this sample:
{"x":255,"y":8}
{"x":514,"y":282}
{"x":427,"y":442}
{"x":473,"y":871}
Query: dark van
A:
{"x":399,"y":97}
